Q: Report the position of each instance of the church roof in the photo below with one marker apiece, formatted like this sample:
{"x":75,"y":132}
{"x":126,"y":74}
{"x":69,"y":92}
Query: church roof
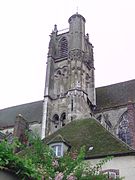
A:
{"x":115,"y":95}
{"x":32,"y":112}
{"x":91,"y":134}
{"x":107,"y":97}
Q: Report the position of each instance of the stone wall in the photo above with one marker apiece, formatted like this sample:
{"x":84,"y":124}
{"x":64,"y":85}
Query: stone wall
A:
{"x":110,"y":118}
{"x":36,"y":128}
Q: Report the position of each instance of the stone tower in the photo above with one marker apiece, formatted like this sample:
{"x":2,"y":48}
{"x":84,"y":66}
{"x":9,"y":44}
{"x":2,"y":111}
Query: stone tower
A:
{"x":69,"y":88}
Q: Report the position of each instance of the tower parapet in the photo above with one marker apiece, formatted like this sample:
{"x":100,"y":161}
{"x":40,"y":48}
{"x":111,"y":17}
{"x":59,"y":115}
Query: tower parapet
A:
{"x":77,"y":32}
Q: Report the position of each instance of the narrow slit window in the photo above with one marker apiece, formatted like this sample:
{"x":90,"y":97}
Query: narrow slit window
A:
{"x":71,"y":104}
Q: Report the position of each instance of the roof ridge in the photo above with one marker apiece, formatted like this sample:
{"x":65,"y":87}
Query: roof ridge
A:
{"x":122,"y":82}
{"x":20,"y":105}
{"x":58,"y":135}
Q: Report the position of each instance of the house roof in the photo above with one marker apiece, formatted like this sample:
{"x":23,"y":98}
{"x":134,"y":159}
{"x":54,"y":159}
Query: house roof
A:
{"x":115,"y":95}
{"x":107,"y":97}
{"x":90,"y":133}
{"x":32,"y":112}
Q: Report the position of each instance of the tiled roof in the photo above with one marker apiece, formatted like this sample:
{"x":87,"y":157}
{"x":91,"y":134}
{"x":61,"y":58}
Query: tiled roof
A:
{"x":90,"y":133}
{"x":115,"y":94}
{"x":32,"y":112}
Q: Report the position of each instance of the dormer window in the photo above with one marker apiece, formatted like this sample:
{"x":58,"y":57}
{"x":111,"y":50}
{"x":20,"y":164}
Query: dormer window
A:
{"x":59,"y":145}
{"x":58,"y":149}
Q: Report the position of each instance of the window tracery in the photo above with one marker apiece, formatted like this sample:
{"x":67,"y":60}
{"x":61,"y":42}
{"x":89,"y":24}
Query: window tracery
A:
{"x":123,"y":129}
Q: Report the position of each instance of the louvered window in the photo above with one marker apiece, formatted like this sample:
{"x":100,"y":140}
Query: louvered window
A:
{"x":63,"y":47}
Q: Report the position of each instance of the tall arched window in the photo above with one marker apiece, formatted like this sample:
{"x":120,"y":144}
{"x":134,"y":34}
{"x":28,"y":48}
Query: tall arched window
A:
{"x":63,"y":118}
{"x":123,"y":129}
{"x":63,"y":47}
{"x":55,"y":120}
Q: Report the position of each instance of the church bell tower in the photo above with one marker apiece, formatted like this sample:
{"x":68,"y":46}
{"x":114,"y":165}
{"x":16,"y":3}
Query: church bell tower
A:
{"x":69,"y":88}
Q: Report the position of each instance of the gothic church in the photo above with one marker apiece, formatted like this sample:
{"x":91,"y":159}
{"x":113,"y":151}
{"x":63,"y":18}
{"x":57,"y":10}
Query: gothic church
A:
{"x":75,"y":113}
{"x":70,"y":91}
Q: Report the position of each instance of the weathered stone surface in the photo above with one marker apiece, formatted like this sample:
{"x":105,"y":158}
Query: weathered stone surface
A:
{"x":69,"y":87}
{"x":20,"y":128}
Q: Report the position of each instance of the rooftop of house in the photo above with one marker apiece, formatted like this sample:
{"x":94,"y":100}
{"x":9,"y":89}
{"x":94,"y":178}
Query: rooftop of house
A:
{"x":107,"y":97}
{"x":90,"y":133}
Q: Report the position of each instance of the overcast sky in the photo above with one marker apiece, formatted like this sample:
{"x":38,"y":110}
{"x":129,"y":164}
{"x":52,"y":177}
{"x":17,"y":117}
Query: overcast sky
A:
{"x":25,"y":26}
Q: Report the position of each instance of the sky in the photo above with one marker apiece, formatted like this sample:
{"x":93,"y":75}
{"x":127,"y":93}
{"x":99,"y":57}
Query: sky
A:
{"x":25,"y":26}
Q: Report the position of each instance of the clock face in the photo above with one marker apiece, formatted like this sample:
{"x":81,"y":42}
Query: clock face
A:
{"x":123,"y":129}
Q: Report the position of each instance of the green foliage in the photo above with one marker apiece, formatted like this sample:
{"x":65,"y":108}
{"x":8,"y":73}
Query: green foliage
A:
{"x":22,"y":167}
{"x":38,"y":162}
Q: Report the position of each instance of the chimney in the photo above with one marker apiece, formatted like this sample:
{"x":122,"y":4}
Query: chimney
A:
{"x":20,"y":128}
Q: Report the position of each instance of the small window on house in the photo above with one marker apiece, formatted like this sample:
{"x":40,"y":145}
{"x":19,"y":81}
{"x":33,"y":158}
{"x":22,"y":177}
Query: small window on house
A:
{"x":111,"y":173}
{"x":63,"y":47}
{"x":58,"y":150}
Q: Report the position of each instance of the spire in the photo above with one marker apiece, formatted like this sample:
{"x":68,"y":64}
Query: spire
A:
{"x":77,"y":10}
{"x":55,"y":28}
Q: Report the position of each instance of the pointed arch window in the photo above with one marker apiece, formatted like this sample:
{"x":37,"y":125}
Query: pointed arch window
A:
{"x":55,"y":120}
{"x":63,"y":47}
{"x":58,"y":72}
{"x":123,"y":129}
{"x":63,"y":118}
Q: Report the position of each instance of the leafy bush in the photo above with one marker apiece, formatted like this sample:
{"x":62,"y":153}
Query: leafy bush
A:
{"x":38,"y":162}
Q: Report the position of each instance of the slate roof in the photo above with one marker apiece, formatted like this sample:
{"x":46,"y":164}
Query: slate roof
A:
{"x":107,"y":97}
{"x":90,"y":133}
{"x":32,"y":112}
{"x":115,"y":95}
